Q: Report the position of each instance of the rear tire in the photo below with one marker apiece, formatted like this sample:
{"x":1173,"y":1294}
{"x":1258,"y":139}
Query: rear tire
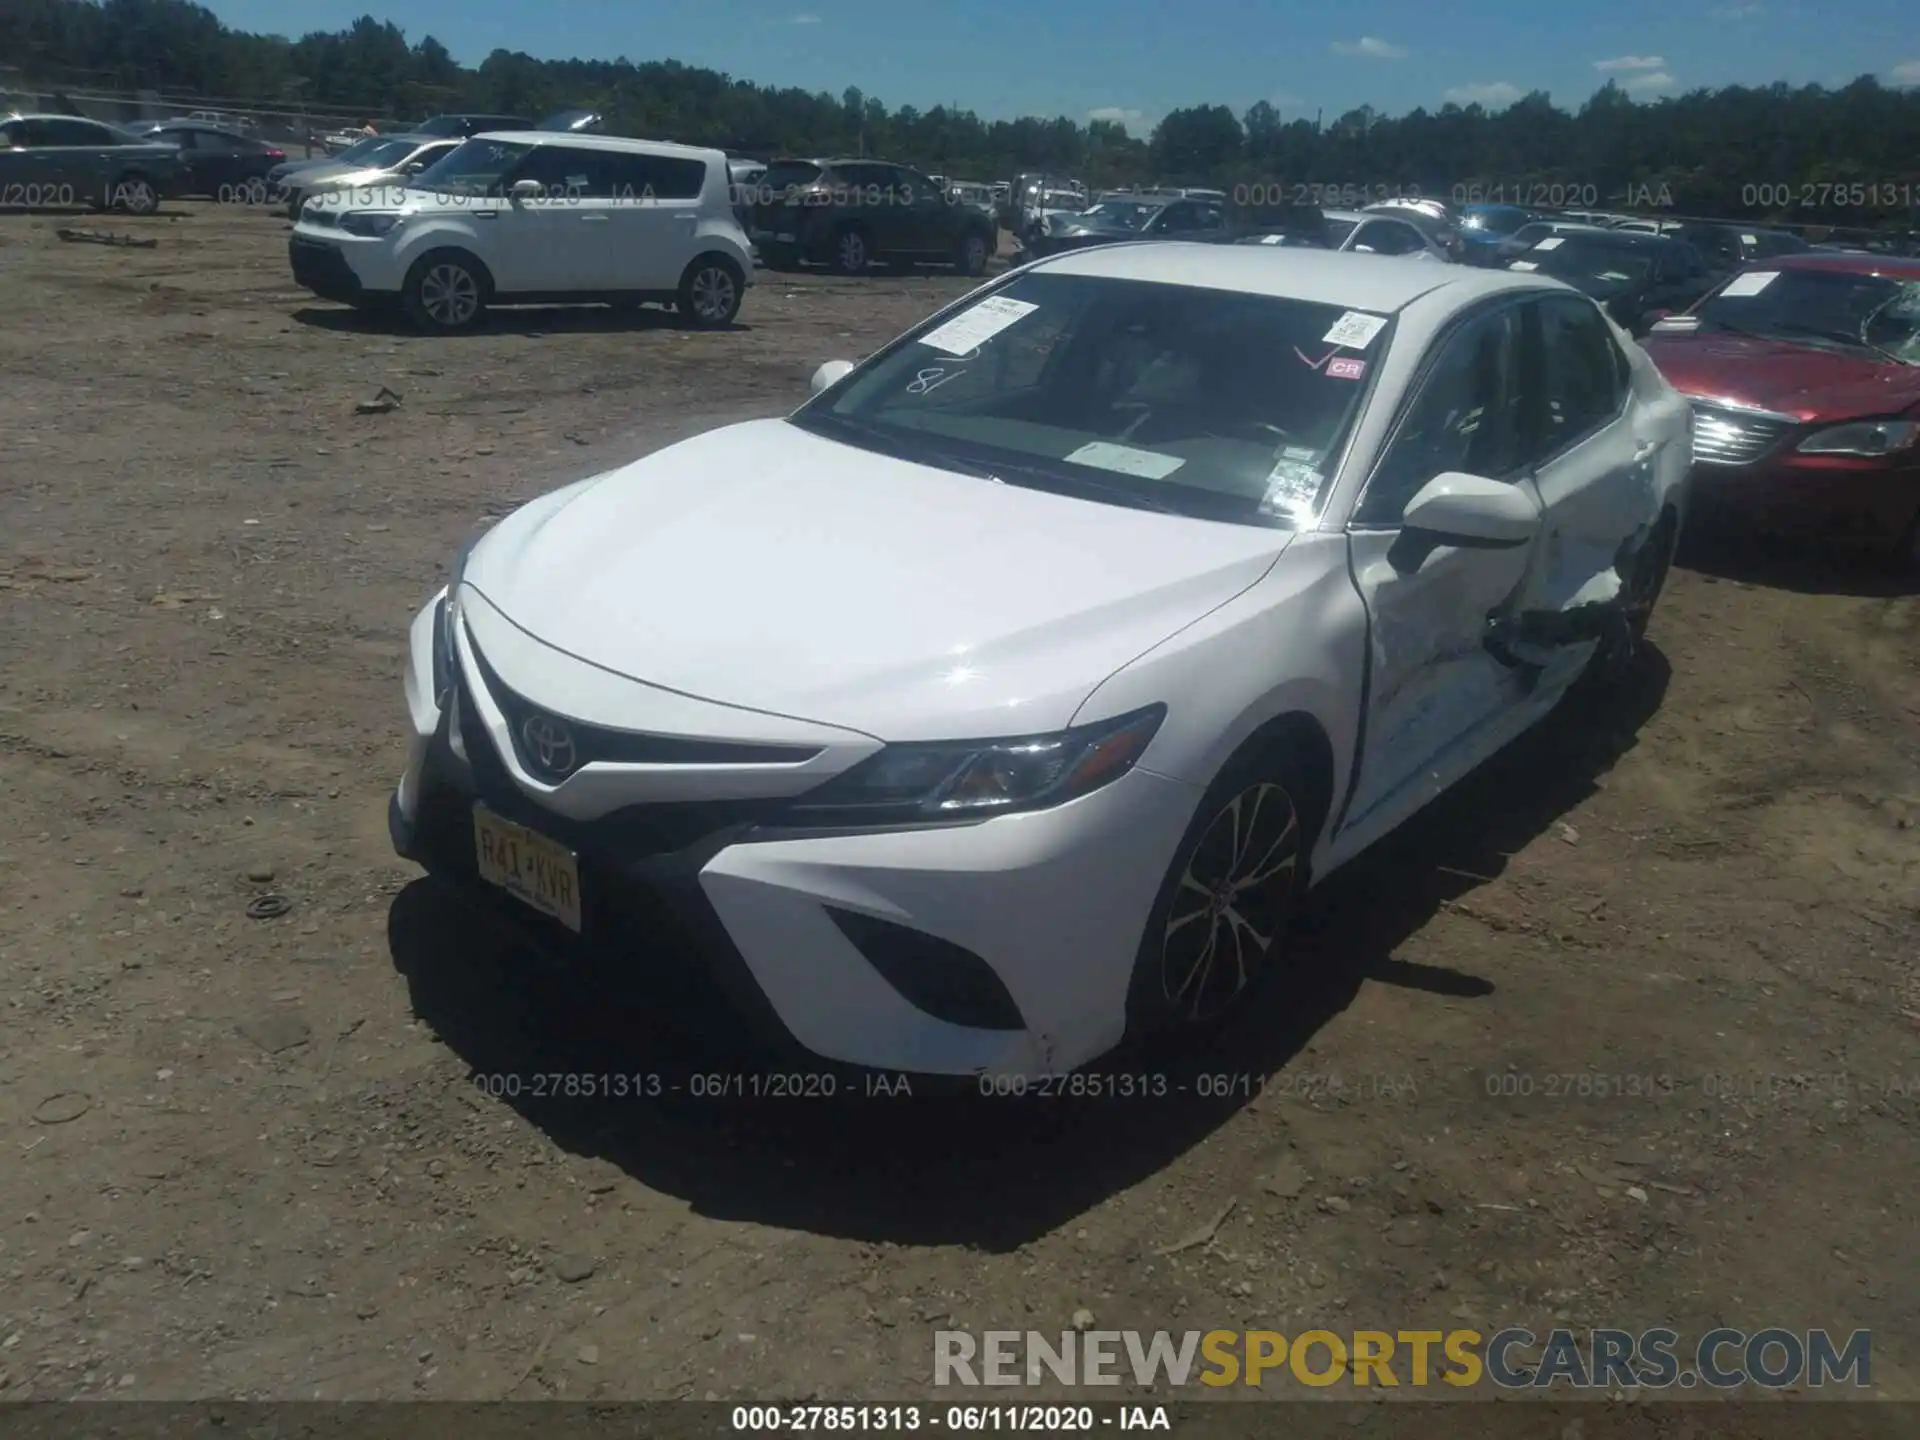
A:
{"x":710,"y":293}
{"x":446,"y":291}
{"x":852,"y":251}
{"x":1224,"y":916}
{"x":134,"y":194}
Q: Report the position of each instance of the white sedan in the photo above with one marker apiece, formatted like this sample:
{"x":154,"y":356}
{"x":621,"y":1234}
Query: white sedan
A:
{"x":1001,"y":702}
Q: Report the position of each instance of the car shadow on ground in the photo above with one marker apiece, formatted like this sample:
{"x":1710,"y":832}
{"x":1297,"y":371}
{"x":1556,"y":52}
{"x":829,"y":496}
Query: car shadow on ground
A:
{"x":529,"y":320}
{"x":1801,"y":567}
{"x":960,"y":1168}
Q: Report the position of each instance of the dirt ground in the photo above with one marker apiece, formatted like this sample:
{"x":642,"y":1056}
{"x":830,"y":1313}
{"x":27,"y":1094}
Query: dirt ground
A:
{"x":249,"y":1158}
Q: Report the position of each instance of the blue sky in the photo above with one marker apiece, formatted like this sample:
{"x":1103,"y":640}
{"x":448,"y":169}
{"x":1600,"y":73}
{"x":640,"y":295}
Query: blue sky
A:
{"x":1133,"y":60}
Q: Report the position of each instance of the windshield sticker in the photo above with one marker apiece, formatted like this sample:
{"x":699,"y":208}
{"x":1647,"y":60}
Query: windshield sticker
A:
{"x":1304,"y":453}
{"x":1752,"y":283}
{"x":1273,"y":239}
{"x":1345,"y":369}
{"x":1749,"y":239}
{"x":1355,"y":330}
{"x":1292,"y":487}
{"x":1125,"y":460}
{"x":1524,"y":265}
{"x":968,"y":331}
{"x":1552,"y":242}
{"x":1672,"y":324}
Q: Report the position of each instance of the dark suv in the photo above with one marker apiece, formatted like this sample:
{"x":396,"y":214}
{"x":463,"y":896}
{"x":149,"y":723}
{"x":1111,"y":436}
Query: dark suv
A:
{"x":851,"y":213}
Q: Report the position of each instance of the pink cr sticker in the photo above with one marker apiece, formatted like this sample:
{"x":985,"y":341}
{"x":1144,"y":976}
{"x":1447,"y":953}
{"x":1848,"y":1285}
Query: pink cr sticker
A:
{"x":1344,"y":369}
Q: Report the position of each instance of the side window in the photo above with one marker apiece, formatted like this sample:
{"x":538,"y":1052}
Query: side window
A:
{"x":1581,"y":380}
{"x":1176,"y":219}
{"x":73,"y":132}
{"x":1464,"y":417}
{"x":653,"y":177}
{"x":565,"y":172}
{"x":1390,"y":237}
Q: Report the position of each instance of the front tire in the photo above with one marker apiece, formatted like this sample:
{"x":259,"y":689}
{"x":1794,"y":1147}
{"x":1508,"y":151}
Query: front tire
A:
{"x":446,"y":292}
{"x":710,"y":293}
{"x":1640,"y":591}
{"x":973,"y":255}
{"x":1223,"y":919}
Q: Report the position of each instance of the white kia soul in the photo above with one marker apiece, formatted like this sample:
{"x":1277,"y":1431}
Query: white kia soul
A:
{"x":527,"y":217}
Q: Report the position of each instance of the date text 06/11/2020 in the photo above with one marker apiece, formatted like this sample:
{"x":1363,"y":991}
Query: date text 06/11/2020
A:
{"x":961,"y":1419}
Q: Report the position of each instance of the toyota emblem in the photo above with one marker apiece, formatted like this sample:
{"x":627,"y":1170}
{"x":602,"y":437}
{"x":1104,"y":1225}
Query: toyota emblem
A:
{"x":549,"y":745}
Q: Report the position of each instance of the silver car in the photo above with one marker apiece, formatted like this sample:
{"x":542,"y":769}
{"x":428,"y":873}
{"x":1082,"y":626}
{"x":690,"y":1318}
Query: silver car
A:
{"x":391,"y":160}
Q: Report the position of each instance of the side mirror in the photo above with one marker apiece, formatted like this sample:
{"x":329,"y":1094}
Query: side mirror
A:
{"x":831,"y":374}
{"x":526,"y":190}
{"x":1473,"y":511}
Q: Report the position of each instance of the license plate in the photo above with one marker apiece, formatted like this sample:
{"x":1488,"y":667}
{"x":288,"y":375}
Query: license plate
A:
{"x":528,"y":867}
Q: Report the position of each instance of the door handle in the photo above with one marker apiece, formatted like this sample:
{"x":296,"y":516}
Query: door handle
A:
{"x":1645,"y":452}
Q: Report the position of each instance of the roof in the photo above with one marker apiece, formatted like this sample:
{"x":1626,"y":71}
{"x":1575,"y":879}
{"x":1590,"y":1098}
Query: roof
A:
{"x":574,"y":140}
{"x":1895,"y":267}
{"x":1358,"y":282}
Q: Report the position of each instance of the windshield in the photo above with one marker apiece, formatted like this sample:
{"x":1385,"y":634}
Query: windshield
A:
{"x":1821,"y":307}
{"x":1062,"y":200}
{"x":1337,"y":232}
{"x":1207,"y":403}
{"x":359,"y":150}
{"x":473,"y":167}
{"x":784,"y":174}
{"x":1577,"y":260}
{"x":1123,"y":214}
{"x":1494,"y":222}
{"x":380,"y":154}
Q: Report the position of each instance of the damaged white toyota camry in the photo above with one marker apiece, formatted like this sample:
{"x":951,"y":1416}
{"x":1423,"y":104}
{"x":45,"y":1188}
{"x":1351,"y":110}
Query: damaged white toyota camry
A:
{"x":1001,"y":702}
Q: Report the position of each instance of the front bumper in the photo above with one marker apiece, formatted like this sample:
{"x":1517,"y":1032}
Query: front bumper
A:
{"x":323,"y":269}
{"x":1003,"y":946}
{"x":1829,"y":499}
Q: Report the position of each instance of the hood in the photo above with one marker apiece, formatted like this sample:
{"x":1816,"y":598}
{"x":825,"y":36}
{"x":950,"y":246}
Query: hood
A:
{"x":347,"y":177}
{"x":764,"y":567}
{"x":1809,"y":383}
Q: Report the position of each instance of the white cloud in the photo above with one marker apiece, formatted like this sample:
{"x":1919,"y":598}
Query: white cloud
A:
{"x":1370,"y":48}
{"x":1491,"y":93}
{"x":807,"y":19}
{"x":1631,"y":62}
{"x":1907,"y":72}
{"x":1658,"y":80}
{"x":1131,"y":120}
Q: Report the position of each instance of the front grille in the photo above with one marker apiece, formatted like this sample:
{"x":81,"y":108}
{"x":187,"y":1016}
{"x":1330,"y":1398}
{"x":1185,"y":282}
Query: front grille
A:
{"x":624,"y":835}
{"x":1723,"y":435}
{"x":588,"y":743}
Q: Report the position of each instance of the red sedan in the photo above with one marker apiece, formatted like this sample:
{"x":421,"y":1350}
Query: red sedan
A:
{"x":1804,"y":373}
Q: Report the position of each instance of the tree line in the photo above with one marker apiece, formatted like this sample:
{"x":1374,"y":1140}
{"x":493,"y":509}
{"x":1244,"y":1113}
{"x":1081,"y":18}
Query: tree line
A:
{"x":1809,"y":154}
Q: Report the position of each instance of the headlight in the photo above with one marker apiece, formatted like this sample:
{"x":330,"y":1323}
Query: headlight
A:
{"x":446,"y":653}
{"x":966,"y":779}
{"x":372,"y":226}
{"x":1863,"y":437}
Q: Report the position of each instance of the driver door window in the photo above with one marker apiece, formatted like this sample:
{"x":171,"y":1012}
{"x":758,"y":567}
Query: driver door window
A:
{"x":1464,"y":417}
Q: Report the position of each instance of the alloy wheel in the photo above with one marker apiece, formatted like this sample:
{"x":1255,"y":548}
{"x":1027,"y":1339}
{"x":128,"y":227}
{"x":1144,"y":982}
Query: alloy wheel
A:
{"x":1231,"y":905}
{"x":712,"y":293}
{"x":853,"y":252}
{"x":976,"y":255}
{"x":136,"y":197}
{"x":450,"y":295}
